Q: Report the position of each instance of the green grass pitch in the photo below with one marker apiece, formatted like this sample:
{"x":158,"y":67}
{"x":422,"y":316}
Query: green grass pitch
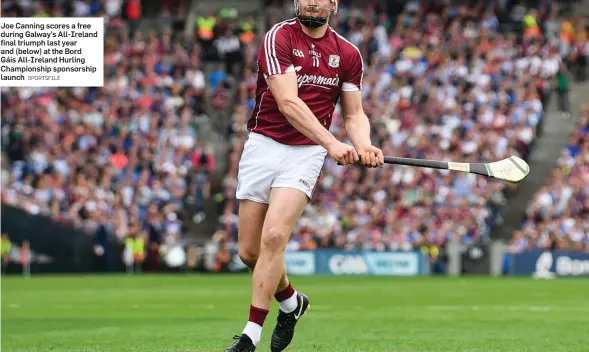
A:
{"x":185,"y":313}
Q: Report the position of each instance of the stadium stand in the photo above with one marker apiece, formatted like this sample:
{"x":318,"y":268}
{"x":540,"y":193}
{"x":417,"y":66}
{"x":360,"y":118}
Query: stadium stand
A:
{"x":441,"y":82}
{"x":126,"y":156}
{"x":558,"y":216}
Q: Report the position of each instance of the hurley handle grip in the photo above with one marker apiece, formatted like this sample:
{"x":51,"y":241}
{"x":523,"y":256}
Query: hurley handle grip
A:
{"x":356,"y":163}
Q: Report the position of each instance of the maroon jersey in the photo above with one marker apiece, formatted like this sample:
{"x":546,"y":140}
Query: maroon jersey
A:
{"x":324,"y":66}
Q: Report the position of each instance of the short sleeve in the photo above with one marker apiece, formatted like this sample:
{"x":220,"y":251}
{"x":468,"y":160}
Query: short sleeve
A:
{"x":275,"y":55}
{"x":354,"y":71}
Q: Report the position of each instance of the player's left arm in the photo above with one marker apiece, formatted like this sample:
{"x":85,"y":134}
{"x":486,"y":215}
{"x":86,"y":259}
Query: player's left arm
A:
{"x":358,"y":128}
{"x":355,"y":119}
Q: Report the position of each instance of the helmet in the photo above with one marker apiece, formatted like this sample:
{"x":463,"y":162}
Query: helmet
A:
{"x":313,"y":21}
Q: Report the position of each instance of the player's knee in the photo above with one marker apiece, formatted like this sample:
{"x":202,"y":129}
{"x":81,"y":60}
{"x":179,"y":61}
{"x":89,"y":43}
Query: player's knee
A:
{"x":248,"y":257}
{"x":275,"y":239}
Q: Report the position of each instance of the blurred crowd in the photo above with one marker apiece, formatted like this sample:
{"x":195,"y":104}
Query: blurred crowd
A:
{"x":558,"y":215}
{"x":109,"y":9}
{"x":443,"y":83}
{"x":121,"y":160}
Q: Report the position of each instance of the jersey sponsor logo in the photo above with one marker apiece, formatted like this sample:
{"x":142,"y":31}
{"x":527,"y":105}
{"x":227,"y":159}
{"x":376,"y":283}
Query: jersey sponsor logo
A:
{"x":298,"y":53}
{"x":318,"y":81}
{"x":314,"y":80}
{"x":334,"y":61}
{"x":314,"y":53}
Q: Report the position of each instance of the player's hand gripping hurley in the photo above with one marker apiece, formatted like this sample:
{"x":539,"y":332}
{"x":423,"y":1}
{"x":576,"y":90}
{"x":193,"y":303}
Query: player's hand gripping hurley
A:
{"x":512,"y":169}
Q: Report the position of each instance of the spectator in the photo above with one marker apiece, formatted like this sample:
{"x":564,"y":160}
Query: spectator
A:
{"x":25,"y":258}
{"x":194,"y":261}
{"x":102,"y":249}
{"x":135,"y":244}
{"x":6,"y":247}
{"x":223,"y":258}
{"x":205,"y":26}
{"x":228,"y":48}
{"x":133,"y":14}
{"x":562,"y":90}
{"x":556,"y":218}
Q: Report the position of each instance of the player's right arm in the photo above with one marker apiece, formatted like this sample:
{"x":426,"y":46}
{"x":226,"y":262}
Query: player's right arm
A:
{"x":284,"y":88}
{"x":275,"y":59}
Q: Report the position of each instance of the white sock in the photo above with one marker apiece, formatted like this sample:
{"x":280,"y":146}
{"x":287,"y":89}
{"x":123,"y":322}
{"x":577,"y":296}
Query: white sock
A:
{"x":289,"y":304}
{"x":254,"y":331}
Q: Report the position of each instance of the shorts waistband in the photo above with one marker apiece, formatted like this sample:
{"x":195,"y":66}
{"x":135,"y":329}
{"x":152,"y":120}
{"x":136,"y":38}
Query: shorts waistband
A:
{"x":260,"y":137}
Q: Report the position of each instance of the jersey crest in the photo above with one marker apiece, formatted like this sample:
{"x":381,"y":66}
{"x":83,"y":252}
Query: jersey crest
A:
{"x":334,"y":61}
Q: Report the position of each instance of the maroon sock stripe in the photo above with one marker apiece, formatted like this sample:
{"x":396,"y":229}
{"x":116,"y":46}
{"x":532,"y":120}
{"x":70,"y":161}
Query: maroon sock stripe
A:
{"x":285,"y":294}
{"x":258,"y":315}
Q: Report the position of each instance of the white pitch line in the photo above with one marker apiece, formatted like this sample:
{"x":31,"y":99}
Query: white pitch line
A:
{"x":509,"y":308}
{"x":465,"y":308}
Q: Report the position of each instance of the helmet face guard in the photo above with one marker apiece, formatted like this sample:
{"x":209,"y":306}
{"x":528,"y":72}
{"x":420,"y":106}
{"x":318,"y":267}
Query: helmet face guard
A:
{"x":314,"y":21}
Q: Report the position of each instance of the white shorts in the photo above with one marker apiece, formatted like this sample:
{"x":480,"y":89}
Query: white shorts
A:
{"x":266,"y":164}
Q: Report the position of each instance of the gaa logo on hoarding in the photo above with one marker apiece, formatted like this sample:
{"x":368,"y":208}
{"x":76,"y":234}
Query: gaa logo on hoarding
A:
{"x":300,"y":263}
{"x":348,"y":264}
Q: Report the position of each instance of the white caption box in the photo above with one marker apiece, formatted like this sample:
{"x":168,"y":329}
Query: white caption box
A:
{"x":52,"y":52}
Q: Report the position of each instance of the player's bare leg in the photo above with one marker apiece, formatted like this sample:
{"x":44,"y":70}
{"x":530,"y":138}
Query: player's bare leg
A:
{"x":251,"y":222}
{"x":286,"y":207}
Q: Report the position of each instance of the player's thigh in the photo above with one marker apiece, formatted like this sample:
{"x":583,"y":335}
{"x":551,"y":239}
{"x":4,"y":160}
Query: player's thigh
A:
{"x":251,"y":222}
{"x":303,"y":171}
{"x":285,"y":208}
{"x":258,"y":167}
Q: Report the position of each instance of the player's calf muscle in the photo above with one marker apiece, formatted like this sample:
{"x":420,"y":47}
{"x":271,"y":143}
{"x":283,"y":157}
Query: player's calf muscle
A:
{"x":249,"y":256}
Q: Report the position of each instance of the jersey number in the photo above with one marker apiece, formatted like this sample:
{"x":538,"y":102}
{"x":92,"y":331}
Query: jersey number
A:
{"x":315,"y":61}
